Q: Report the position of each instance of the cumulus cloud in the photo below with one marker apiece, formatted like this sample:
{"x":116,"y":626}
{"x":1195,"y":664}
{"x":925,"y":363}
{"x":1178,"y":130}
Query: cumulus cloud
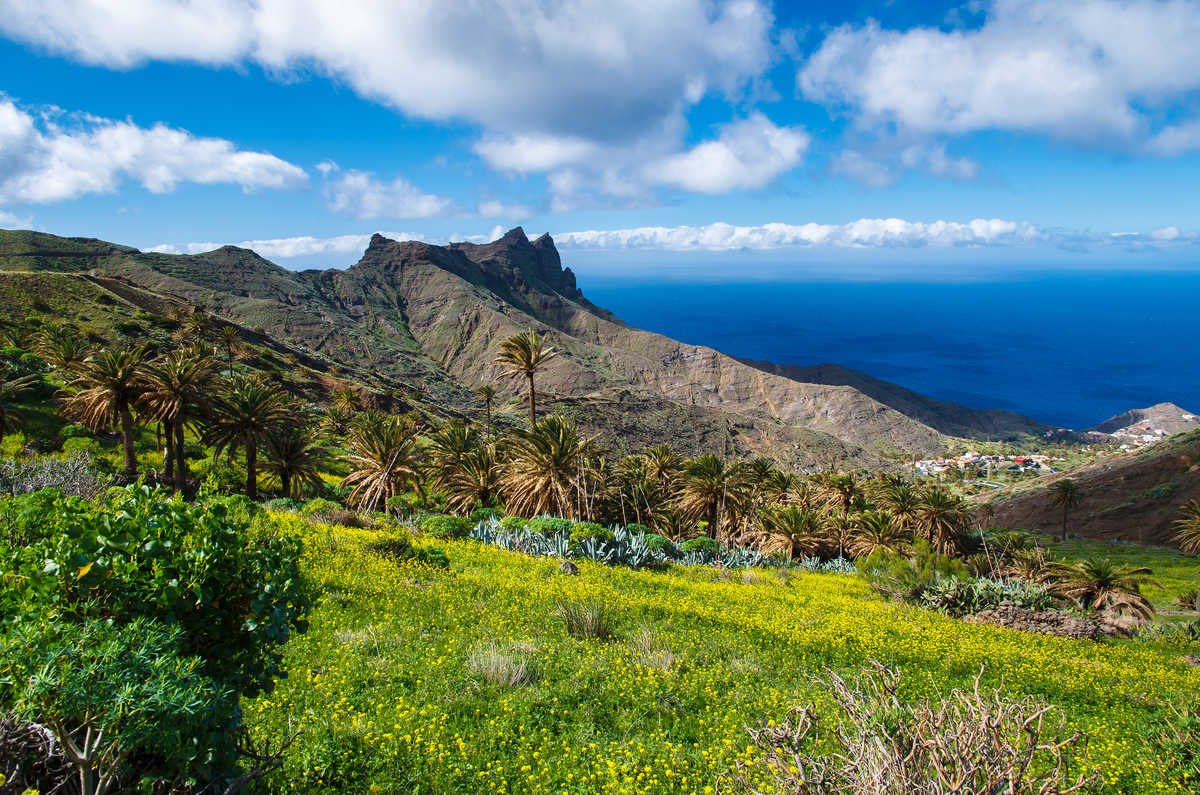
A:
{"x":746,"y":154}
{"x":50,"y":157}
{"x":286,"y":247}
{"x":597,"y":69}
{"x":494,"y":208}
{"x":15,"y":221}
{"x":863,"y":233}
{"x":1091,"y":71}
{"x":360,"y":194}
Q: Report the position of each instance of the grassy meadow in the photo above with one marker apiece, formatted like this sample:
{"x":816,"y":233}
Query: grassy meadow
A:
{"x":387,"y":691}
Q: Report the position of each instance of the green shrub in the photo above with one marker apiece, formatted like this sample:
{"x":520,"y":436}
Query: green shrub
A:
{"x":319,"y":505}
{"x":446,"y":526}
{"x":698,"y":544}
{"x":908,"y":576}
{"x":75,"y":431}
{"x":585,"y":530}
{"x":640,"y":529}
{"x":511,"y":524}
{"x":407,"y":503}
{"x":235,"y":594}
{"x":117,"y":692}
{"x":484,"y":514}
{"x":549,"y":525}
{"x":399,"y":549}
{"x":330,"y":512}
{"x":660,"y":543}
{"x":281,"y":504}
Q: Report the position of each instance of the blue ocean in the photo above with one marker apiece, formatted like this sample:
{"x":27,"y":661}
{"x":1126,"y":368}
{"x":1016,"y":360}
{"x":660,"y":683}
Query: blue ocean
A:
{"x":1068,"y":349}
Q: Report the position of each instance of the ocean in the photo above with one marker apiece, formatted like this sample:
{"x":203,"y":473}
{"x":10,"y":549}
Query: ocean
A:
{"x":1068,"y":349}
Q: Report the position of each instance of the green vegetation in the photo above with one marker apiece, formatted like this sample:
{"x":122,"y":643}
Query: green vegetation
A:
{"x":440,"y":663}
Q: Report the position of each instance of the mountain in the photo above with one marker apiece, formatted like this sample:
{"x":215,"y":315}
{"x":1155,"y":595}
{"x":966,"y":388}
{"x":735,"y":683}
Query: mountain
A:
{"x":1135,"y":497}
{"x":421,"y":323}
{"x":1161,"y":419}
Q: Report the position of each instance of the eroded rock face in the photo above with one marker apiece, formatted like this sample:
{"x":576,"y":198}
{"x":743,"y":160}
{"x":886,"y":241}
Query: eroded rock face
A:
{"x":1047,"y":622}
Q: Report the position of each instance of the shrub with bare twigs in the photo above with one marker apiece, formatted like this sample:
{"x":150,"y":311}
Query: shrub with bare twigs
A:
{"x":975,"y":740}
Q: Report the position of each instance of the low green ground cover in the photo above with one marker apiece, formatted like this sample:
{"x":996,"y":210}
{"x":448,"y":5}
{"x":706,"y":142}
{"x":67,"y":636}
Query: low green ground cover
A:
{"x":466,"y":679}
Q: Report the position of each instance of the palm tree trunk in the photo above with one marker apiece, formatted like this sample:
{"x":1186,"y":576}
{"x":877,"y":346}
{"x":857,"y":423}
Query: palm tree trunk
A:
{"x":285,"y":482}
{"x":251,"y":468}
{"x":714,"y":517}
{"x":532,"y":403}
{"x":1064,"y":526}
{"x":127,"y":443}
{"x":181,"y":468}
{"x":168,"y":469}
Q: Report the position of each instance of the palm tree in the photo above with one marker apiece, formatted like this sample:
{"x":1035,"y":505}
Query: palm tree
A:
{"x":229,"y":341}
{"x":176,"y":394}
{"x":522,"y":355}
{"x":295,"y":456}
{"x":793,"y":530}
{"x":245,"y":412}
{"x":347,"y":400}
{"x":10,"y":388}
{"x":711,"y":489}
{"x":942,"y":518}
{"x":108,"y":385}
{"x":663,"y":465}
{"x":474,"y":480}
{"x":1188,"y":534}
{"x":383,"y":458}
{"x":544,"y":471}
{"x":900,"y":497}
{"x":1099,"y":585}
{"x":195,"y":326}
{"x":487,"y":393}
{"x":841,"y":489}
{"x":61,"y":346}
{"x":447,"y":448}
{"x":877,"y":530}
{"x":1066,"y":496}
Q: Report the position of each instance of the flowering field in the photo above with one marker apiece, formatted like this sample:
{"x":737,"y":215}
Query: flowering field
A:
{"x":385,"y":695}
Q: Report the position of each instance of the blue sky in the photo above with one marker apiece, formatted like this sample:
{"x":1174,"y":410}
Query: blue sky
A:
{"x":691,"y":133}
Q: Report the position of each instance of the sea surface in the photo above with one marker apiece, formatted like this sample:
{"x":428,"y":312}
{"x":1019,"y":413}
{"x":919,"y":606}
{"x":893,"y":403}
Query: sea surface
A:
{"x":1067,"y":349}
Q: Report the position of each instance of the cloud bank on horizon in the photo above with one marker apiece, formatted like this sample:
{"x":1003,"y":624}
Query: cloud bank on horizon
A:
{"x":632,"y":123}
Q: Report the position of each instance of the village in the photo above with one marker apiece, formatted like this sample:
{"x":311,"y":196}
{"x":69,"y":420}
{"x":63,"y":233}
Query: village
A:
{"x":986,"y":466}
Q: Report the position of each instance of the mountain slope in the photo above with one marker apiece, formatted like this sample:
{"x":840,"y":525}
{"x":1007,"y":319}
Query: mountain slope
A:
{"x":1132,"y":497}
{"x":428,"y":319}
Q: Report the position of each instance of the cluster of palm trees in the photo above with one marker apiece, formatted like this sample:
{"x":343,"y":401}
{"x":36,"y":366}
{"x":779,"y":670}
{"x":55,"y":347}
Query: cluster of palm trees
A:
{"x":182,"y":390}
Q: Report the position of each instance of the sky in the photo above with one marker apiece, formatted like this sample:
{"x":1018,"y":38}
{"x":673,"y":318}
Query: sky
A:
{"x":681,"y":135}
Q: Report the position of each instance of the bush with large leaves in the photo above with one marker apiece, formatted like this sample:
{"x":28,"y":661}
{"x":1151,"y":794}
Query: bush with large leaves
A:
{"x":179,"y":609}
{"x":235,"y":594}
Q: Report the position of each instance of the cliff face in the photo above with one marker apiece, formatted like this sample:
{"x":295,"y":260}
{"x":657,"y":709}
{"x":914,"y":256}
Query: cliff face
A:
{"x":430,"y":319}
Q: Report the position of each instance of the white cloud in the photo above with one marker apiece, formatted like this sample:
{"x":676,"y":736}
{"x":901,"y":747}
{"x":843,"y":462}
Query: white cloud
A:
{"x":49,"y":158}
{"x":360,"y":194}
{"x":15,"y":221}
{"x":597,"y":69}
{"x":746,"y":154}
{"x":1091,"y":71}
{"x":493,"y":208}
{"x":287,"y":247}
{"x":526,"y":153}
{"x":857,"y":166}
{"x":863,"y":233}
{"x":1176,"y":139}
